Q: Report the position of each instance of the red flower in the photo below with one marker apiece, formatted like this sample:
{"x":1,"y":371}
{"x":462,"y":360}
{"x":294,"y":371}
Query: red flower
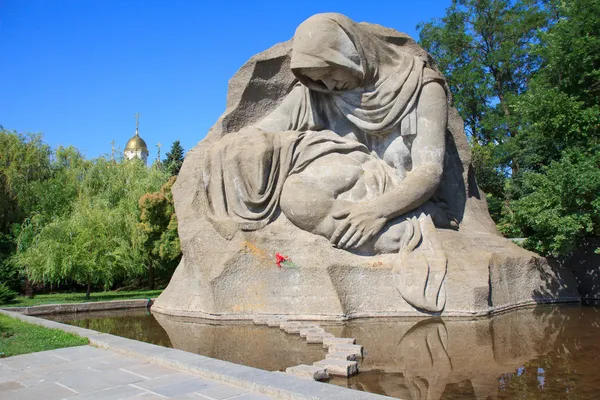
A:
{"x":279,"y":258}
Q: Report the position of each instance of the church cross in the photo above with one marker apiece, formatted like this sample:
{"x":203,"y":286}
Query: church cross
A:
{"x":137,"y":121}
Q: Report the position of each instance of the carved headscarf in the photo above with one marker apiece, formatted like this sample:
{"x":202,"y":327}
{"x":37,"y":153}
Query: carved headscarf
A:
{"x":390,"y":80}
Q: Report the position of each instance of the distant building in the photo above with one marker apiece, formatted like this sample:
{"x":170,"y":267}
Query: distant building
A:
{"x":136,"y":146}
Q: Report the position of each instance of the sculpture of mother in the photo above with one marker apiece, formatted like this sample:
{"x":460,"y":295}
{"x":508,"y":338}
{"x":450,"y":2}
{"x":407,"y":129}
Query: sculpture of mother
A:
{"x":341,"y":150}
{"x":352,"y":154}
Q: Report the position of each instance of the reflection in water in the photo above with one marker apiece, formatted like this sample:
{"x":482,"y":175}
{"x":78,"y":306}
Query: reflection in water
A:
{"x":137,"y":324}
{"x":427,"y":366}
{"x":538,"y":353}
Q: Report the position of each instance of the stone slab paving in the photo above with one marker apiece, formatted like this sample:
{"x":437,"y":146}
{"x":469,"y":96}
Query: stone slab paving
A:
{"x":87,"y":373}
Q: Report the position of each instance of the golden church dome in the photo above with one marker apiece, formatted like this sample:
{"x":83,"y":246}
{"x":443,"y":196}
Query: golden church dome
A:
{"x":136,"y":143}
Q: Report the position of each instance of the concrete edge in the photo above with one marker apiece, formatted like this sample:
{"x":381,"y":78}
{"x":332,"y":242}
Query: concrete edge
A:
{"x":275,"y":384}
{"x":62,"y":308}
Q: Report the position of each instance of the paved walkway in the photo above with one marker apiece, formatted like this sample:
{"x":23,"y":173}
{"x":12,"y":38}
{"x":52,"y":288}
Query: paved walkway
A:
{"x":87,"y":372}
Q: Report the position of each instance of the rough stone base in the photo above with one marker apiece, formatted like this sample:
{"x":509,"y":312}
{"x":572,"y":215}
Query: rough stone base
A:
{"x":238,"y":279}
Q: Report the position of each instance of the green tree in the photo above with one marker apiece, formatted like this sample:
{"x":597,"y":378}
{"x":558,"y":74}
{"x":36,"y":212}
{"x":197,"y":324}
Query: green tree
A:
{"x":561,"y":207}
{"x":159,"y":226}
{"x":483,"y":49}
{"x":24,"y":163}
{"x":559,"y":144}
{"x":98,"y":241}
{"x":174,"y":158}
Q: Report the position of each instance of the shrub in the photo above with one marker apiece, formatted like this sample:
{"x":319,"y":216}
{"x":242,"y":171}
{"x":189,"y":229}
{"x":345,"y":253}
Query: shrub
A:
{"x":6,"y":295}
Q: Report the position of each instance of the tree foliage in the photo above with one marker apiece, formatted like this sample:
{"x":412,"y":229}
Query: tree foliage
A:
{"x":562,"y":207}
{"x":159,"y":227}
{"x":525,"y":76}
{"x":24,"y":164}
{"x":174,"y":158}
{"x":99,"y":241}
{"x":559,"y":146}
{"x":483,"y":48}
{"x":67,"y":220}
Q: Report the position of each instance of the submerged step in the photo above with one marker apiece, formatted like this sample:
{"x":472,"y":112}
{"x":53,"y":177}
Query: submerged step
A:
{"x":317,"y":338}
{"x":275,"y":322}
{"x":260,"y":320}
{"x":334,"y":340}
{"x":308,"y":371}
{"x":289,"y":324}
{"x":297,"y":328}
{"x":341,"y":355}
{"x":338,"y":367}
{"x":347,"y":348}
{"x":311,"y":331}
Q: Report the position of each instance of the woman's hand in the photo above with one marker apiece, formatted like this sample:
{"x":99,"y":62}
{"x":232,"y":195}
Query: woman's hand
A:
{"x":360,"y":223}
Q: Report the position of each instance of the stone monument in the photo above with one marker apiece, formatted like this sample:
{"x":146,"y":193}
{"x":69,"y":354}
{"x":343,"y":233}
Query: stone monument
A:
{"x":338,"y":184}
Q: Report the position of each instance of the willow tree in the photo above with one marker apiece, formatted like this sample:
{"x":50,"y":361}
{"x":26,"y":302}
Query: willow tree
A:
{"x":99,"y":240}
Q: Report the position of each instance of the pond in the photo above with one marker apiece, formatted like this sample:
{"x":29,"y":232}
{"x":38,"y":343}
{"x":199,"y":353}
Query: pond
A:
{"x":546,"y":352}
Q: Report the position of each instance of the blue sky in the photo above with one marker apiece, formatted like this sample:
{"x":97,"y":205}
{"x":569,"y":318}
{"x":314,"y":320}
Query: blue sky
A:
{"x":79,"y":70}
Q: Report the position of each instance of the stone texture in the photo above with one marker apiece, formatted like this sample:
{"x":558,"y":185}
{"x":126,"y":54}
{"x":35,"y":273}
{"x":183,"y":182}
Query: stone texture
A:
{"x":220,"y":392}
{"x":274,"y":322}
{"x":341,"y":355}
{"x":290,"y":324}
{"x":32,"y":377}
{"x":338,"y":367}
{"x":260,"y":320}
{"x":337,"y":340}
{"x":355,"y":349}
{"x":311,"y":331}
{"x":230,"y":271}
{"x":308,"y":371}
{"x":297,"y":328}
{"x":317,"y":338}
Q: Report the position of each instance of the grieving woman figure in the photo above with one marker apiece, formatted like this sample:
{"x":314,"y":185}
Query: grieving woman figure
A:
{"x":354,"y":153}
{"x":340,"y":149}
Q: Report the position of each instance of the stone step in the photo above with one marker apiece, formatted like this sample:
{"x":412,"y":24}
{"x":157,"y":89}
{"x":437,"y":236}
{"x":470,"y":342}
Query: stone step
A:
{"x":347,"y":348}
{"x":275,"y":322}
{"x":260,"y":320}
{"x":317,"y":338}
{"x":311,"y":331}
{"x":288,"y":324}
{"x":341,"y":355}
{"x":334,"y":340}
{"x":297,"y":329}
{"x":338,"y":367}
{"x":308,"y":371}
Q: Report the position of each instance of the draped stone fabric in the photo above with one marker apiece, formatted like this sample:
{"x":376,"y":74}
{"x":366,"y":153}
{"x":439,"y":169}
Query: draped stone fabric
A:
{"x":244,"y":173}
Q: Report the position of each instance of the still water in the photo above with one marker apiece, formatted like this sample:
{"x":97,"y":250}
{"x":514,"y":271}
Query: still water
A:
{"x":546,"y":352}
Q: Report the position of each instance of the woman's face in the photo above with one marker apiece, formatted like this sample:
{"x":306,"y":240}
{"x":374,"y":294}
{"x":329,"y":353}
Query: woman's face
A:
{"x":332,"y":78}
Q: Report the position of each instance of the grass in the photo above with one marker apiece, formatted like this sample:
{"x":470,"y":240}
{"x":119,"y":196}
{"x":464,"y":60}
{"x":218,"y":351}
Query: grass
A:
{"x":56,"y":298}
{"x":17,"y":337}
